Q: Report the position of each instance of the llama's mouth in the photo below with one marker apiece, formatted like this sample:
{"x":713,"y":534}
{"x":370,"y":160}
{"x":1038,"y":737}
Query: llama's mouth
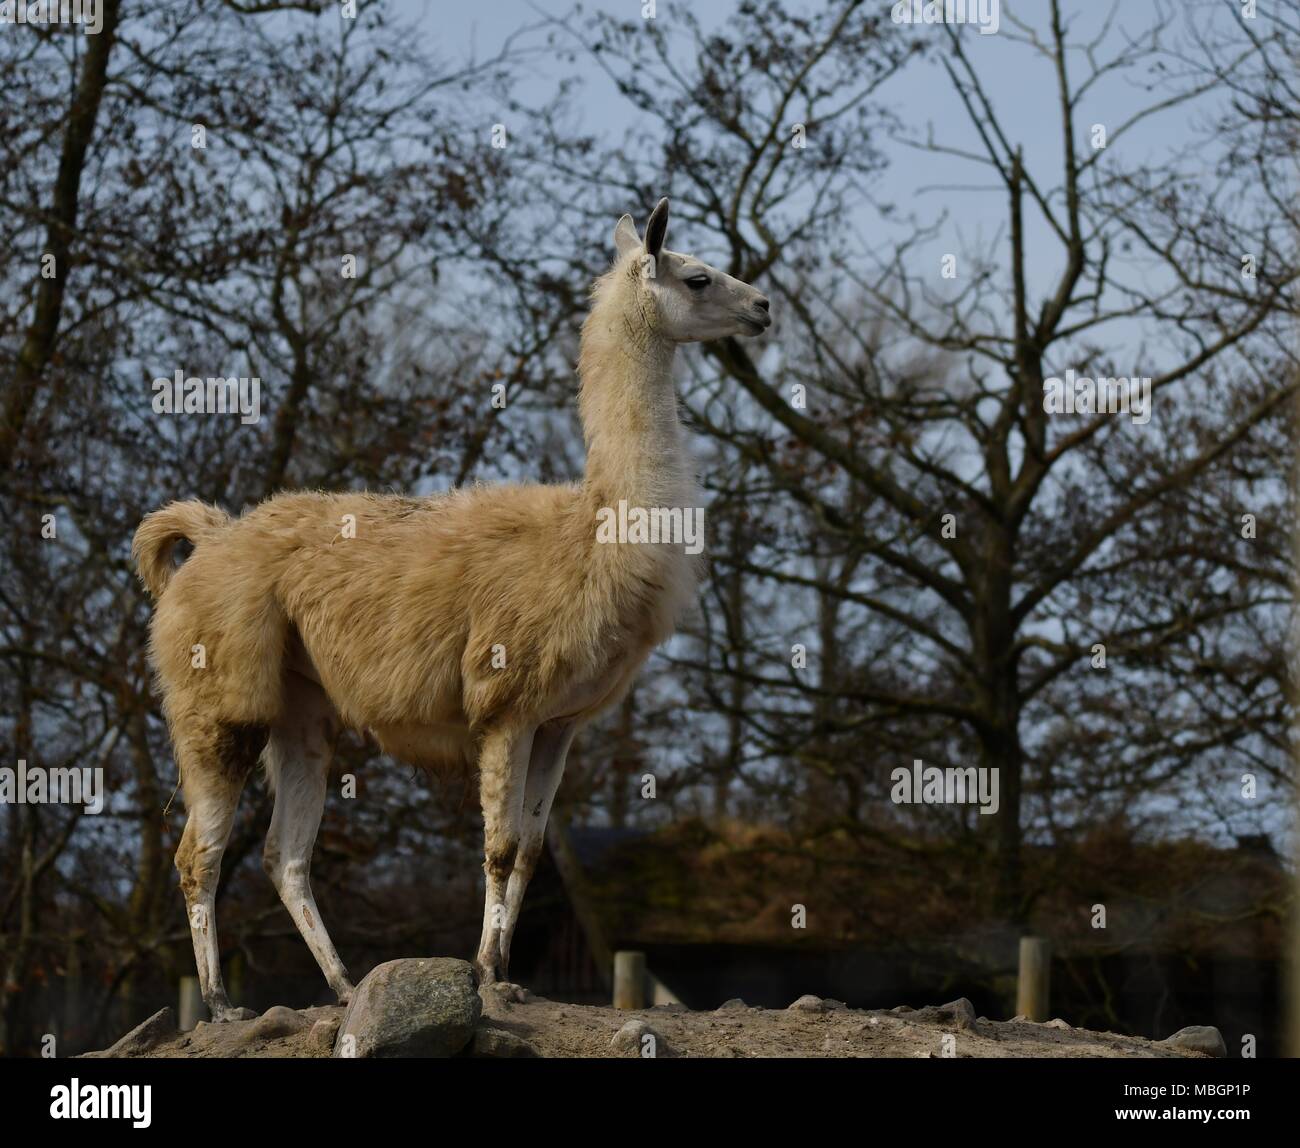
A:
{"x":755,"y":326}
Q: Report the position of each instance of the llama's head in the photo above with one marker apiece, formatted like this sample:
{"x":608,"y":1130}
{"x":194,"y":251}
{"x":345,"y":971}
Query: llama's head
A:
{"x":691,"y":302}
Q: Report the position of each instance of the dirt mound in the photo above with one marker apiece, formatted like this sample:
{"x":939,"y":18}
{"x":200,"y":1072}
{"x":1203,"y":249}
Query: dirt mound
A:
{"x":515,"y":1024}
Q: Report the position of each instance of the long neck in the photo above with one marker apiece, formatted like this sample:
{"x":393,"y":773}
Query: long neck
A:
{"x":635,"y":444}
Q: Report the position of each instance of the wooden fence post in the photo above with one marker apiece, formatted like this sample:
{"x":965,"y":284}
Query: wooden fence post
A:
{"x":191,"y":1009}
{"x":629,"y":980}
{"x":1033,"y":988}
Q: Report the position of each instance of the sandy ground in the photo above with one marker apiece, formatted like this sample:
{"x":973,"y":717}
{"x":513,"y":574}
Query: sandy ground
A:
{"x":819,"y":1029}
{"x":560,"y":1030}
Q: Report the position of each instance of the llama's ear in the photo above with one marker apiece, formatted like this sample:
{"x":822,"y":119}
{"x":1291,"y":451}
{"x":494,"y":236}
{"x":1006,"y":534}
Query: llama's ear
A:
{"x":657,"y":228}
{"x":625,"y":237}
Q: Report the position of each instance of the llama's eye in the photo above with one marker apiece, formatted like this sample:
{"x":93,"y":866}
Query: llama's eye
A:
{"x":697,"y":282}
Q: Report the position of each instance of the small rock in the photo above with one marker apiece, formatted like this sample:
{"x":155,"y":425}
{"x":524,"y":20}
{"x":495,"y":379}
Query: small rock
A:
{"x":960,"y":1013}
{"x":833,"y":1004}
{"x":809,"y":1003}
{"x":497,"y":1044}
{"x":733,"y":1005}
{"x":898,"y":1010}
{"x":630,"y":1040}
{"x":962,"y":1010}
{"x":1203,"y":1038}
{"x":1056,"y":1022}
{"x":324,"y":1033}
{"x":279,"y":1021}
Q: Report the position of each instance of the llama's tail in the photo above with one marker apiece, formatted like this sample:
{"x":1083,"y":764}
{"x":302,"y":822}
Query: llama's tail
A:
{"x":151,"y":549}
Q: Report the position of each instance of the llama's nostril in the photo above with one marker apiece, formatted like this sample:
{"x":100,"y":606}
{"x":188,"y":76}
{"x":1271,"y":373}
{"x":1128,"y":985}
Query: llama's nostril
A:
{"x":762,"y":304}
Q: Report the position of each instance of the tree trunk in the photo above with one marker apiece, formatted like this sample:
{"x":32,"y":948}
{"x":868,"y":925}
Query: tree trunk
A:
{"x":624,"y":761}
{"x":737,"y":690}
{"x":25,"y":829}
{"x":999,"y":737}
{"x":146,"y":897}
{"x":825,"y":800}
{"x":1000,"y":749}
{"x":38,"y":346}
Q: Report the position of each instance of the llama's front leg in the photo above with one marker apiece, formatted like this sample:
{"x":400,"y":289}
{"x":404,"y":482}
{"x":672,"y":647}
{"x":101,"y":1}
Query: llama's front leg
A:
{"x":503,"y":770}
{"x":545,"y":769}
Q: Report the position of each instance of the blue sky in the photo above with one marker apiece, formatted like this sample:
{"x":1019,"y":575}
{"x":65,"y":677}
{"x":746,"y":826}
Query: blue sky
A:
{"x":1017,"y":80}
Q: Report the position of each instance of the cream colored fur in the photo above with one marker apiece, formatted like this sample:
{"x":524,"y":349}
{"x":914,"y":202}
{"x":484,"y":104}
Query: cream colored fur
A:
{"x":394,"y":615}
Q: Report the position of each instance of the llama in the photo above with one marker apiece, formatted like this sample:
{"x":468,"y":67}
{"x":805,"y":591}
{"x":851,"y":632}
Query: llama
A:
{"x":484,"y":625}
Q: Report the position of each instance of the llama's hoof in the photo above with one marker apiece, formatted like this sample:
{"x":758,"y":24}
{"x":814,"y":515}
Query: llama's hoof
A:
{"x":221,"y":1016}
{"x":509,"y":993}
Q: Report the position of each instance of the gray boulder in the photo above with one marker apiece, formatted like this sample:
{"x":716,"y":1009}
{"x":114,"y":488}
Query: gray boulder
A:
{"x":420,"y":1006}
{"x":1203,"y":1038}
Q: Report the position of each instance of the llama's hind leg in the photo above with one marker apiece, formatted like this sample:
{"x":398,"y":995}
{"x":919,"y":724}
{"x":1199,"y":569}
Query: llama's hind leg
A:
{"x":297,"y":760}
{"x":214,"y":764}
{"x":503,"y":770}
{"x":545,"y":769}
